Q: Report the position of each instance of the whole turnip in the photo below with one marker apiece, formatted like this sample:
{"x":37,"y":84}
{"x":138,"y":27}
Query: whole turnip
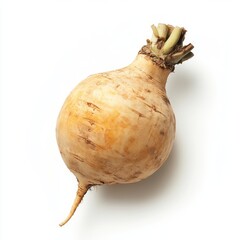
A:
{"x":119,"y":126}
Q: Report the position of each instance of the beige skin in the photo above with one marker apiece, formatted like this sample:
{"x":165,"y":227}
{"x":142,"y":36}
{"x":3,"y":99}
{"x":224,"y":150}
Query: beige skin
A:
{"x":118,"y":126}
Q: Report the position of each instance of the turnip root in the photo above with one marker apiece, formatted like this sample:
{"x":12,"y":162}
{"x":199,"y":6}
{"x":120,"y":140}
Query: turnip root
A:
{"x":119,"y":126}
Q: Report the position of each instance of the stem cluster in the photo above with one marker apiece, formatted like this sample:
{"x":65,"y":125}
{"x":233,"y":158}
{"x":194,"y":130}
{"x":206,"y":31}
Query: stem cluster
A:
{"x":167,"y":44}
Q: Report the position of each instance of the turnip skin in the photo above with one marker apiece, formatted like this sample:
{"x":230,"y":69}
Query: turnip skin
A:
{"x":119,"y":126}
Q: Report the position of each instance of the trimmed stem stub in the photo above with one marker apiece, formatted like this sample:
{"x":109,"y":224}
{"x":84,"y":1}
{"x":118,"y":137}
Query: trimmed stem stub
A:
{"x":166,"y":46}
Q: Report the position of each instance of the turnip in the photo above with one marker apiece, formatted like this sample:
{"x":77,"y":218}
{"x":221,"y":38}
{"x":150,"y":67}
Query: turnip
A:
{"x":119,"y":126}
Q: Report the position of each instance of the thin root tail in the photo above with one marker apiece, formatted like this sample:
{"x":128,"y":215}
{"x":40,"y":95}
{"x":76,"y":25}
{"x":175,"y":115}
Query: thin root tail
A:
{"x":82,"y":189}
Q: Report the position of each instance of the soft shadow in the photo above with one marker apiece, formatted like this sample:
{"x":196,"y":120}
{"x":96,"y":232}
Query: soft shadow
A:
{"x":149,"y":188}
{"x":180,"y":84}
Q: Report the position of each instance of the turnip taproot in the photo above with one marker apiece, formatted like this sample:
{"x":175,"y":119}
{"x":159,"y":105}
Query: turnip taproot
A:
{"x":119,"y":126}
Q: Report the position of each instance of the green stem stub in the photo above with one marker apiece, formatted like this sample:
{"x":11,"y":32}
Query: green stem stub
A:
{"x":166,"y":46}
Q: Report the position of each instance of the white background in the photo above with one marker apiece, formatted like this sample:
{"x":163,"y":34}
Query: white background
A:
{"x":47,"y":47}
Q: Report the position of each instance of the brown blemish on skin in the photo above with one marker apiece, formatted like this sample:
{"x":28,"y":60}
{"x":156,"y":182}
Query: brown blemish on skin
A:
{"x":165,"y":99}
{"x":75,"y":156}
{"x":87,"y":141}
{"x":93,"y":106}
{"x":154,"y":108}
{"x":106,"y":172}
{"x":140,"y":70}
{"x":98,"y":83}
{"x":121,"y":154}
{"x":137,"y":95}
{"x":147,"y":90}
{"x":96,"y":181}
{"x":151,"y":150}
{"x":162,"y":132}
{"x":141,"y":97}
{"x":136,"y":175}
{"x":89,"y":120}
{"x":137,"y":112}
{"x":106,"y":76}
{"x":131,"y":139}
{"x":119,"y":177}
{"x":90,"y":143}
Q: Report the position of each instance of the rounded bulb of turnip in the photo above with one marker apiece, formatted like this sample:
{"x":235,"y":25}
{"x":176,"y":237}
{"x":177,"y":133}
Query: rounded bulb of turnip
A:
{"x":119,"y":126}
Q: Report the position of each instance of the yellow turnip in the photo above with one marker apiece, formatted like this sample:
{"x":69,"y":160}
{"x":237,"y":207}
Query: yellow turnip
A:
{"x":119,"y":126}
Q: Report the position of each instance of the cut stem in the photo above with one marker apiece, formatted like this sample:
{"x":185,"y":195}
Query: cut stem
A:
{"x":186,"y":57}
{"x":178,"y":56}
{"x":172,"y":40}
{"x":166,"y":46}
{"x":162,"y":31}
{"x":82,"y":189}
{"x":155,"y":31}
